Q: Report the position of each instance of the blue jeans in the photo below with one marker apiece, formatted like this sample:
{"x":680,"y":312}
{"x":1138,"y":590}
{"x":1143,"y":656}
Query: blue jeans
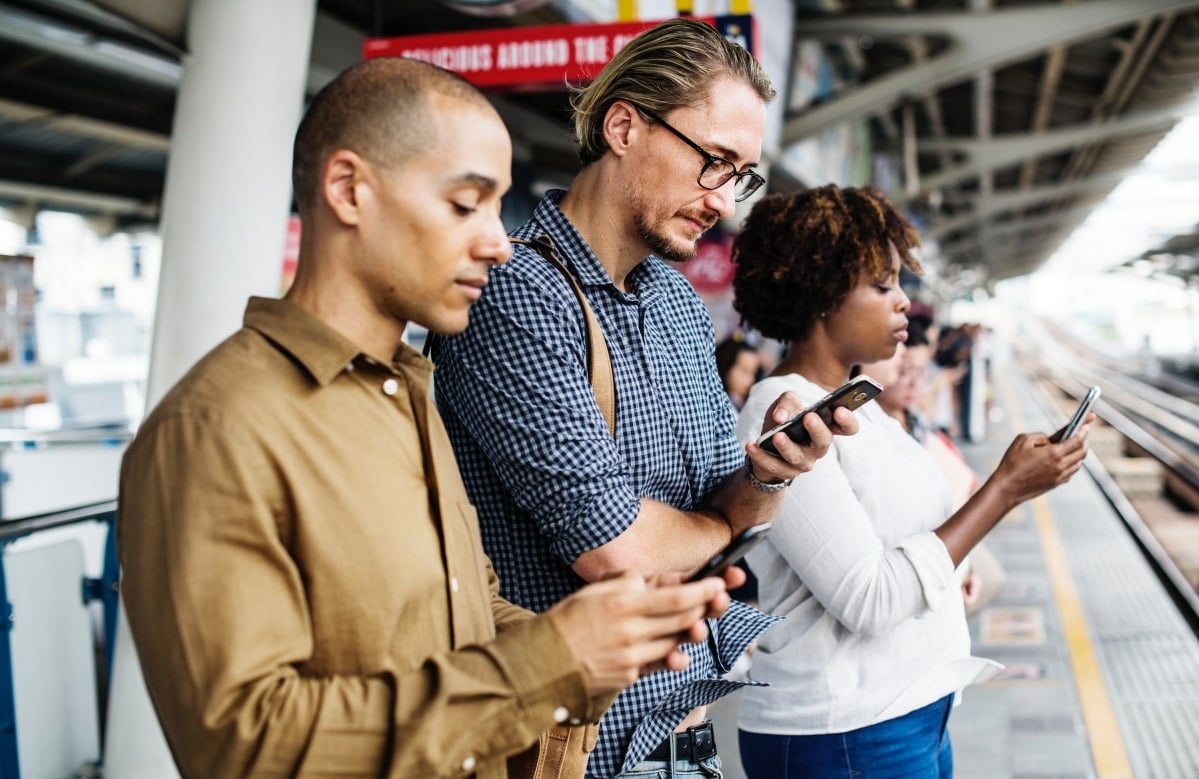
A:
{"x":914,"y":746}
{"x":683,"y":769}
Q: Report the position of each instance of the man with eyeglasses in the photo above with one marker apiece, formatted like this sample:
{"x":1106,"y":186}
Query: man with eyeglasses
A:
{"x":669,"y":134}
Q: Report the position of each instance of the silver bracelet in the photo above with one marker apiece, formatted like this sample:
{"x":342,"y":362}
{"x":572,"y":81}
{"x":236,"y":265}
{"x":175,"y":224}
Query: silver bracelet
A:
{"x":763,"y":486}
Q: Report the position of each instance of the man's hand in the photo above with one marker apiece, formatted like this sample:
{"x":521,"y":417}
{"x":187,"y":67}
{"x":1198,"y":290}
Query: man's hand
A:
{"x":794,"y":459}
{"x":623,"y":627}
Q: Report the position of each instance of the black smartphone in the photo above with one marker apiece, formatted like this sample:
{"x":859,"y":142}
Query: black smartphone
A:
{"x":737,"y":548}
{"x":851,"y":395}
{"x":1080,"y":414}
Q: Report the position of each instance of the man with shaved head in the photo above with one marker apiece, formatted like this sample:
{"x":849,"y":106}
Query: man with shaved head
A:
{"x":303,"y":573}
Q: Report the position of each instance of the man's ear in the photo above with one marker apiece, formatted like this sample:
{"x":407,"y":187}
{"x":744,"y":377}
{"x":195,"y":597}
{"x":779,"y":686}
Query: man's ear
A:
{"x":343,"y":184}
{"x":619,"y":126}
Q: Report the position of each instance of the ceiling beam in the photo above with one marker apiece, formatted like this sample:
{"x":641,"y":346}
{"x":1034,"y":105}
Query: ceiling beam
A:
{"x":1024,"y":248}
{"x":160,"y":23}
{"x":335,"y":47}
{"x":1051,"y":76}
{"x":117,"y":134}
{"x":77,"y":43}
{"x":1013,"y":228}
{"x":1005,"y":150}
{"x":1012,"y":200}
{"x":978,"y":41}
{"x":163,"y":21}
{"x":71,"y":199}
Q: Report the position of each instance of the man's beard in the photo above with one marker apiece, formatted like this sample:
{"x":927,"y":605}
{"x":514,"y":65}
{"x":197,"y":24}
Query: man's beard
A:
{"x":659,"y":245}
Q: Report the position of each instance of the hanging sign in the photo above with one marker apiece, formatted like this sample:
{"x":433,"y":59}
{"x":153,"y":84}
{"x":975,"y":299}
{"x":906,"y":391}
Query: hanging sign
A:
{"x":542,"y":57}
{"x":712,"y":268}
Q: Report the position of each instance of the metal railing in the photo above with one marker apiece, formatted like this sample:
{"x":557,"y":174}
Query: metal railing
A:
{"x":1171,"y":577}
{"x":103,"y":589}
{"x":75,"y":434}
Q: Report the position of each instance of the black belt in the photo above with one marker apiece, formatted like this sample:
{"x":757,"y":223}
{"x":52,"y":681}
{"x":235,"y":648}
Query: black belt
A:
{"x":694,"y":744}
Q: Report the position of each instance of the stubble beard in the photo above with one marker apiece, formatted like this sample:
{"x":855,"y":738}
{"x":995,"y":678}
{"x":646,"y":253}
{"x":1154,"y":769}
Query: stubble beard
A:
{"x":659,"y":244}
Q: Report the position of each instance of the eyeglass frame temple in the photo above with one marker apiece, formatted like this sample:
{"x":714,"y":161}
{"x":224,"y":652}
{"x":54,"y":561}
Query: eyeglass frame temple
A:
{"x":709,"y":158}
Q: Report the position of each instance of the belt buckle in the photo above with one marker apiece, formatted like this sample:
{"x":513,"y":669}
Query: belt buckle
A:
{"x":703,"y":741}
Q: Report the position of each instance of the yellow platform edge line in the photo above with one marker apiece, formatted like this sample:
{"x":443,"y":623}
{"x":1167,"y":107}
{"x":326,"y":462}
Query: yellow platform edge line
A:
{"x":1103,"y":729}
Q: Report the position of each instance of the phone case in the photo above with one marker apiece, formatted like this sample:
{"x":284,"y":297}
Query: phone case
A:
{"x":851,"y":395}
{"x":1080,"y":413}
{"x":737,"y":548}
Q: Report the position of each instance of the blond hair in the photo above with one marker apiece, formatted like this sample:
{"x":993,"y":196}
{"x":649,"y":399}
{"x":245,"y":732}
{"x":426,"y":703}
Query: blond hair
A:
{"x":666,"y":67}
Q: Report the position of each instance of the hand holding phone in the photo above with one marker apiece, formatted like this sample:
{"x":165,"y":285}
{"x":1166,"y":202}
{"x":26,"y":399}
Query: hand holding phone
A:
{"x":737,"y":548}
{"x":851,"y":395}
{"x":1080,"y":414}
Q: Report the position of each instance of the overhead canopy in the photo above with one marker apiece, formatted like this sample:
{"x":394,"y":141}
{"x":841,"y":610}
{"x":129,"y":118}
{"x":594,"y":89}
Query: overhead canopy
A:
{"x":1010,"y":120}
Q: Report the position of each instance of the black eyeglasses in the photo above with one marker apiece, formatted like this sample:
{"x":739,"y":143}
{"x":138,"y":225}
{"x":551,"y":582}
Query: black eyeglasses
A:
{"x":716,"y":171}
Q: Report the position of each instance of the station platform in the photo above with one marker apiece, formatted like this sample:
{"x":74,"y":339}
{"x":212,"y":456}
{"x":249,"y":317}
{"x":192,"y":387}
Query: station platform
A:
{"x":1102,"y":670}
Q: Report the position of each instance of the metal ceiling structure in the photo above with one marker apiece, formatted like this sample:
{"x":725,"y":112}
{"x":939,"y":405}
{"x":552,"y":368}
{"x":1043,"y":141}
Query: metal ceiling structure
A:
{"x":1014,"y":119}
{"x":1011,"y":119}
{"x":1177,"y":259}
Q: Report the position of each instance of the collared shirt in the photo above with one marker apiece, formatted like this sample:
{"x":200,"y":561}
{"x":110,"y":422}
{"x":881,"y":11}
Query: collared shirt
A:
{"x":875,"y":625}
{"x":304,"y":577}
{"x":542,"y":468}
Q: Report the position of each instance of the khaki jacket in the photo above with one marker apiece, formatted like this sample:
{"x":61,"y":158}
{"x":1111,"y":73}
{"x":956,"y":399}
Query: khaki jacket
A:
{"x":304,"y":578}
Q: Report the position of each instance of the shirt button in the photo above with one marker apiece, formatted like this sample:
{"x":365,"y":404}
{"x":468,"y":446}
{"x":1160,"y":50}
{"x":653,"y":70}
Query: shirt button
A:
{"x":560,"y":714}
{"x":468,"y":764}
{"x":453,"y":584}
{"x":390,"y":387}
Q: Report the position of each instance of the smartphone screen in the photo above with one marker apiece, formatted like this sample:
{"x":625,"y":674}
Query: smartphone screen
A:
{"x":1080,"y":414}
{"x":851,"y":395}
{"x":736,"y":549}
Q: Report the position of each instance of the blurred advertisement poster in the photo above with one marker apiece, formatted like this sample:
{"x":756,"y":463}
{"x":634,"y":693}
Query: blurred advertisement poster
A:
{"x":22,"y":379}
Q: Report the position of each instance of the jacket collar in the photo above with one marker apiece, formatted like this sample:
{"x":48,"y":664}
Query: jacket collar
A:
{"x":322,"y":351}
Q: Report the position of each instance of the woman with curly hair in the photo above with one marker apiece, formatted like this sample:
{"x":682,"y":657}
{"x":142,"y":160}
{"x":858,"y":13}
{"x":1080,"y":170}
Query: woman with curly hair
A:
{"x":864,"y":549}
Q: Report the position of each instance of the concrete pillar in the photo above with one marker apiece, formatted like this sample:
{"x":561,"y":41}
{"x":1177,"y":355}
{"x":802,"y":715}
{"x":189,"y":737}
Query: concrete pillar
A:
{"x":228,"y":184}
{"x":225,"y":209}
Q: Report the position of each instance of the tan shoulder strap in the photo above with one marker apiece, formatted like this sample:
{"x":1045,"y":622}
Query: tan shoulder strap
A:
{"x":599,"y":362}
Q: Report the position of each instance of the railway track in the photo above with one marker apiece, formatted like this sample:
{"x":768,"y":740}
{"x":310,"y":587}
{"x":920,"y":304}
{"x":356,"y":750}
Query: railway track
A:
{"x":1145,"y":450}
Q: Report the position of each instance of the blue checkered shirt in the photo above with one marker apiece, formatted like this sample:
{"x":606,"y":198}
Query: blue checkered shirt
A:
{"x":542,"y":469}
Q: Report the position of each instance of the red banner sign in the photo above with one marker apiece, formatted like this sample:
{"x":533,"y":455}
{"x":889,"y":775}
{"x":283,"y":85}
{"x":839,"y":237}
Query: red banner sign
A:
{"x":711,"y":269}
{"x":547,"y":56}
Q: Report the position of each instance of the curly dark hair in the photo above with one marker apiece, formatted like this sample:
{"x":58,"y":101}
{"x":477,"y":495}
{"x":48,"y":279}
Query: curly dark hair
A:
{"x":799,"y":255}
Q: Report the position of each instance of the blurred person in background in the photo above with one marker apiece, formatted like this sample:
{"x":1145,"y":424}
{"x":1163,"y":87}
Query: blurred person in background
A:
{"x":946,"y":369}
{"x":738,"y":364}
{"x":862,"y":557}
